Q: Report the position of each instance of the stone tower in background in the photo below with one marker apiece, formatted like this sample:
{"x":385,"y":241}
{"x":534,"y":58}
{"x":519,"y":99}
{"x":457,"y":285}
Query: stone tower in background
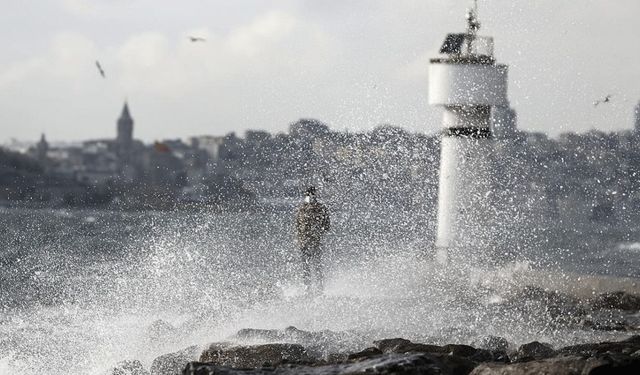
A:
{"x":42,"y":148}
{"x":124,"y":142}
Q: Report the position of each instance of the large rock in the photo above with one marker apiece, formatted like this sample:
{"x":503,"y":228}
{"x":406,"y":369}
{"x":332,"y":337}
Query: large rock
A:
{"x":320,"y":343}
{"x":254,"y":334}
{"x":617,"y":300}
{"x":393,"y":363}
{"x":492,"y":343}
{"x":533,"y":351}
{"x":456,"y":365}
{"x":365,"y":354}
{"x":571,"y":365}
{"x":458,"y":359}
{"x":254,"y":355}
{"x":496,"y":346}
{"x":627,"y":346}
{"x":173,"y":363}
{"x":289,"y":334}
{"x":399,"y":345}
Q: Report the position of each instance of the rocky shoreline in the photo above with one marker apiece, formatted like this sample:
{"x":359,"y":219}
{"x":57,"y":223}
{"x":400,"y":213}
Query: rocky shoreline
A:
{"x":295,"y":351}
{"x":395,"y":356}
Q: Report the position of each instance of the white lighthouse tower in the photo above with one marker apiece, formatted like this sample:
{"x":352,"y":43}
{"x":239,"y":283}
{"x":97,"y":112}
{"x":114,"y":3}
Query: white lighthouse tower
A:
{"x":466,"y":82}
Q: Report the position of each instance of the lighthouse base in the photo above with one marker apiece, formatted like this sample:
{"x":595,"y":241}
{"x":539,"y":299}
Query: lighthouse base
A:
{"x":464,"y":201}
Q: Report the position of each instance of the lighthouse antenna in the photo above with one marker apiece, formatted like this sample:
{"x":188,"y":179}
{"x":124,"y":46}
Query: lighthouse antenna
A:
{"x":473,"y":24}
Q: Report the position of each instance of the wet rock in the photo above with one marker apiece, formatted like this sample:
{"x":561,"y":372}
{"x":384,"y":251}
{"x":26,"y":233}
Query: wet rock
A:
{"x":492,"y":343}
{"x":321,"y":343}
{"x":496,"y":346}
{"x":635,"y":339}
{"x":399,"y":345}
{"x":458,"y":359}
{"x":366,"y":353}
{"x":334,"y":358}
{"x":460,"y":350}
{"x":533,"y":351}
{"x":627,"y":346}
{"x":301,"y":335}
{"x":617,"y":300}
{"x":398,"y":364}
{"x":564,"y":365}
{"x":289,"y":334}
{"x":253,"y":334}
{"x":128,"y":367}
{"x":456,"y":365}
{"x":391,"y":345}
{"x":466,"y":351}
{"x":254,"y":355}
{"x":173,"y":363}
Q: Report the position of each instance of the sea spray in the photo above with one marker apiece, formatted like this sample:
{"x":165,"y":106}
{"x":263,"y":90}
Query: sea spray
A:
{"x":136,"y":286}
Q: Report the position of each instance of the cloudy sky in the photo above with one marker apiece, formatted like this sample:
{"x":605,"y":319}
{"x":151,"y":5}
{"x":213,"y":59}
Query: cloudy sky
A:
{"x":354,"y":64}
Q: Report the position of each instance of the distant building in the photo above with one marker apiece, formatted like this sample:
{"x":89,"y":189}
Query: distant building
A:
{"x":42,"y":148}
{"x":97,"y":164}
{"x":308,"y":129}
{"x":124,"y":141}
{"x":210,"y":144}
{"x":231,"y":149}
{"x":256,"y":136}
{"x":162,"y":167}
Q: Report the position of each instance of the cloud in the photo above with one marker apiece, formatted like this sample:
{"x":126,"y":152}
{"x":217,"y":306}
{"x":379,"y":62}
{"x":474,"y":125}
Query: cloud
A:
{"x":259,"y":62}
{"x":79,"y":7}
{"x":267,"y":62}
{"x":266,"y":32}
{"x":17,"y":72}
{"x":68,"y":58}
{"x":274,"y":44}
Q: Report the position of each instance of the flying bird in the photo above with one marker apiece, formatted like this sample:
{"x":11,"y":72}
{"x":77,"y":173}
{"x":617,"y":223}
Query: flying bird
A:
{"x":606,"y":99}
{"x":197,"y":39}
{"x":100,"y":69}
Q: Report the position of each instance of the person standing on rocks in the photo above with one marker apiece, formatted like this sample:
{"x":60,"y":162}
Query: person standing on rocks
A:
{"x":312,"y":223}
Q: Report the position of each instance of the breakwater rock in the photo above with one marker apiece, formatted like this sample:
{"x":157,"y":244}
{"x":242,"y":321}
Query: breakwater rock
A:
{"x":606,"y":317}
{"x":401,"y":356}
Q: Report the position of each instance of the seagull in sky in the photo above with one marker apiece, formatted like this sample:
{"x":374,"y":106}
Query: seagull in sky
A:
{"x":100,"y":69}
{"x":197,"y":39}
{"x":606,"y":99}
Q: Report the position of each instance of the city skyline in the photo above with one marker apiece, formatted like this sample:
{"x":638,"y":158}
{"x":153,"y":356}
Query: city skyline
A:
{"x":265,"y":64}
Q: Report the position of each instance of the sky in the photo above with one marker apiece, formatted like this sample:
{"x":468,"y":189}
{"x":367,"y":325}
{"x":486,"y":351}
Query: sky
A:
{"x":353,"y":64}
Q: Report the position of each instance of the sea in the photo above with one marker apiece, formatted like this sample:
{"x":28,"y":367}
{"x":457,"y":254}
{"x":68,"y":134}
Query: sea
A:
{"x":81,"y":290}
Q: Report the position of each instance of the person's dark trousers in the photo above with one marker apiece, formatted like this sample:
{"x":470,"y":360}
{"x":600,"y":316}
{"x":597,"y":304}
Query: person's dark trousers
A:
{"x":312,"y":273}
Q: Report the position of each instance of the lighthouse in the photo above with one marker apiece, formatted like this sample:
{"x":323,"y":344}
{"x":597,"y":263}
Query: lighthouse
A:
{"x":467,"y":83}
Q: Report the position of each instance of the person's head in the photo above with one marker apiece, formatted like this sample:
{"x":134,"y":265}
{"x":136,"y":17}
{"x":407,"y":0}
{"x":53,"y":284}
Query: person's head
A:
{"x":310,"y":194}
